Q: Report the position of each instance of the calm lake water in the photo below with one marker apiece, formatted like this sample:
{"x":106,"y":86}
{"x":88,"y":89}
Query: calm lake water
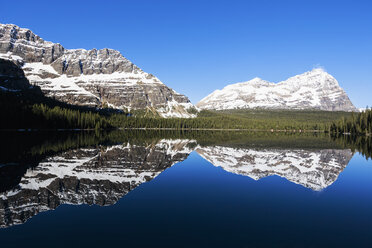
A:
{"x":190,"y":189}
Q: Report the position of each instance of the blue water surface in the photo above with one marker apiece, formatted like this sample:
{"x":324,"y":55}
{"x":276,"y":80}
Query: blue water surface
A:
{"x":196,"y":204}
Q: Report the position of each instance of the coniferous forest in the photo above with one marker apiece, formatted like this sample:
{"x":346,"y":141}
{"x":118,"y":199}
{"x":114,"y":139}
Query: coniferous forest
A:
{"x":30,"y":109}
{"x":356,"y":124}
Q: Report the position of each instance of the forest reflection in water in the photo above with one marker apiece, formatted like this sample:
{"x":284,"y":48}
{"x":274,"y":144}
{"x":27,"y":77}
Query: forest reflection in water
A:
{"x":41,"y":170}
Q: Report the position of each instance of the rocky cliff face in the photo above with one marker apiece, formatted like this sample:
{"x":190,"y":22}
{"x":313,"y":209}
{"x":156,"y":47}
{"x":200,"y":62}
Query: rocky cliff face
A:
{"x":88,"y":176}
{"x":93,"y":78}
{"x":314,"y":169}
{"x":315,"y":89}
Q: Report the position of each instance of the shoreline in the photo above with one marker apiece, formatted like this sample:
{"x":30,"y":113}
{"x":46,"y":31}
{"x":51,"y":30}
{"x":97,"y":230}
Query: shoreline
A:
{"x":170,"y":129}
{"x":178,"y":129}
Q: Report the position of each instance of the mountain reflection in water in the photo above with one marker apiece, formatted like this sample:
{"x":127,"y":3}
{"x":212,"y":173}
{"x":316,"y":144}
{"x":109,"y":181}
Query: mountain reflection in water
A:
{"x":100,"y":170}
{"x":88,"y":176}
{"x":314,"y":169}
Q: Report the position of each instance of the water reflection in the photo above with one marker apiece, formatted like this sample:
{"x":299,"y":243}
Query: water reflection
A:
{"x":99,"y":176}
{"x":39,"y":174}
{"x":314,"y":169}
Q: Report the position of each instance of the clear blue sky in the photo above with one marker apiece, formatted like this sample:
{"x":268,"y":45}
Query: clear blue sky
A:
{"x":196,"y":47}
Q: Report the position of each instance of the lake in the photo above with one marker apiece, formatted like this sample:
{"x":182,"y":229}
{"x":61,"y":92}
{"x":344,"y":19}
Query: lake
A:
{"x":184,"y":189}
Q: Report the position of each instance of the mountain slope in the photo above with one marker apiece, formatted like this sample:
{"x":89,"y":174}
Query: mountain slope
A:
{"x":315,"y":89}
{"x":95,"y":78}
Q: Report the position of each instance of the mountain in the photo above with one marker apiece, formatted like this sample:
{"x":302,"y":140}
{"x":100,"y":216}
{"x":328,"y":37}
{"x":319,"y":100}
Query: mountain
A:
{"x":12,"y":77}
{"x":315,"y":89}
{"x":312,"y":168}
{"x":99,"y":176}
{"x":94,"y":78}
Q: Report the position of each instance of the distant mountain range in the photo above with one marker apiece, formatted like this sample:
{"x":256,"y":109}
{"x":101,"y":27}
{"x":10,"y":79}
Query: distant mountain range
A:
{"x":315,"y":89}
{"x":104,"y":78}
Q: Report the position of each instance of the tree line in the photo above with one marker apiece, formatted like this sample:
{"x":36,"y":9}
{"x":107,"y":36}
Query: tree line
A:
{"x":252,"y":120}
{"x":357,"y":124}
{"x":31,"y":110}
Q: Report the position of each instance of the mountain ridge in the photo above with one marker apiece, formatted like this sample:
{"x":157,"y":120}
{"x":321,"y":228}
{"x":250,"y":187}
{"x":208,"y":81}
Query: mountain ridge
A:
{"x":94,"y":78}
{"x":315,"y":89}
{"x":103,"y":78}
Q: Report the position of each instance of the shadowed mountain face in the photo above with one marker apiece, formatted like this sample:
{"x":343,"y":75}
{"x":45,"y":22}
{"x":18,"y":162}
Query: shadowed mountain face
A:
{"x":311,"y":168}
{"x":98,"y":176}
{"x":12,"y":77}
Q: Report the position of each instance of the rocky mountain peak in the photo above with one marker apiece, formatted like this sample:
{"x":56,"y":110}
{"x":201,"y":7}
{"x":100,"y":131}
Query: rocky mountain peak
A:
{"x":17,"y":33}
{"x":315,"y":89}
{"x":316,"y":77}
{"x":95,"y":78}
{"x":258,"y":82}
{"x":72,"y":62}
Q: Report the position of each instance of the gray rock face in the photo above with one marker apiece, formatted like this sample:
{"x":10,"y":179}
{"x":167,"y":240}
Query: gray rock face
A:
{"x":94,"y":78}
{"x":98,"y":176}
{"x":25,"y":44}
{"x":315,"y":89}
{"x":314,"y":169}
{"x":104,"y":61}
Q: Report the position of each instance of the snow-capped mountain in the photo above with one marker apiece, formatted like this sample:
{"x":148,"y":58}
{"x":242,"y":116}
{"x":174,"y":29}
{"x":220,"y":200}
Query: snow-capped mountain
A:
{"x":315,"y":89}
{"x":314,"y":169}
{"x":98,"y":176}
{"x":94,"y":77}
